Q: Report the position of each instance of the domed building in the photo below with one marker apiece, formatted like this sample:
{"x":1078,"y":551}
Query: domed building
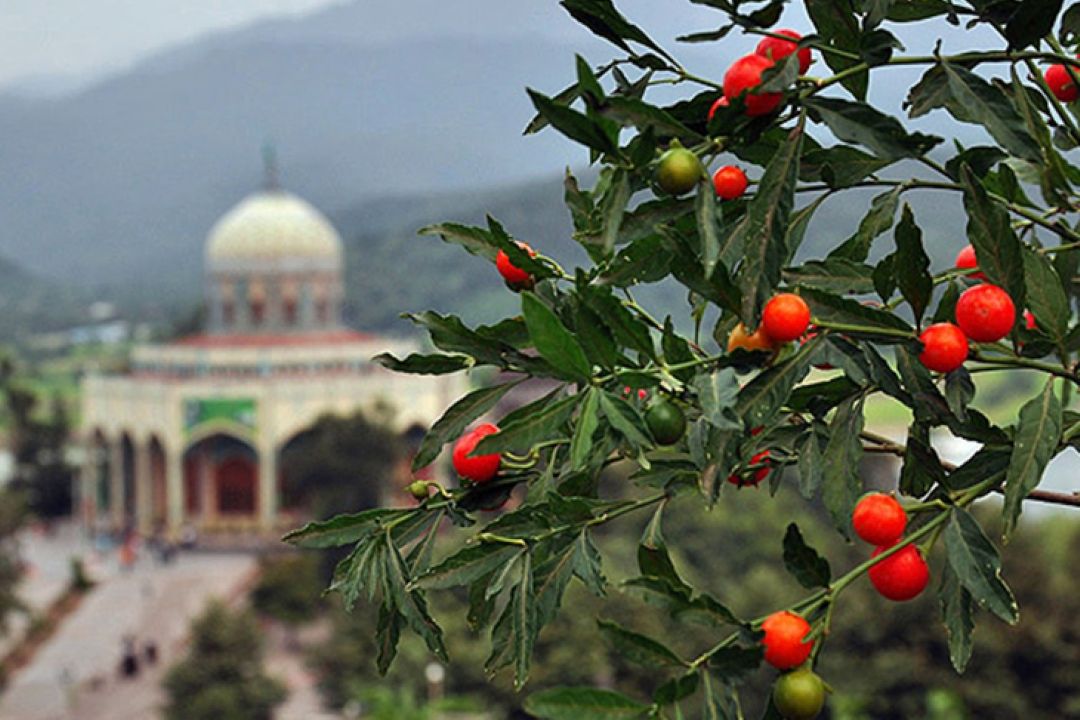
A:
{"x":193,"y":433}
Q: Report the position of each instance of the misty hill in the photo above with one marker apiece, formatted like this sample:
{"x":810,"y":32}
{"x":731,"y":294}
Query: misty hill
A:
{"x":30,"y":304}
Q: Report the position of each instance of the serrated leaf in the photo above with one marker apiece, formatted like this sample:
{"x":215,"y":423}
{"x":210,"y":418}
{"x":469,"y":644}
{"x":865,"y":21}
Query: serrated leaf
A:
{"x":959,"y":391}
{"x":1046,"y":297}
{"x":411,"y":604}
{"x":957,"y":611}
{"x":835,"y":275}
{"x":577,"y":126}
{"x":454,"y":421}
{"x":717,"y":392}
{"x":833,"y":309}
{"x":387,"y":634}
{"x":877,"y":220}
{"x":1032,"y":20}
{"x":762,"y":397}
{"x":587,"y":422}
{"x":810,"y":457}
{"x":857,"y":122}
{"x":524,"y":625}
{"x":341,"y":529}
{"x":763,"y":230}
{"x":922,"y":468}
{"x":418,"y":364}
{"x":467,"y":565}
{"x":977,"y":565}
{"x":653,"y":558}
{"x":583,"y":704}
{"x":1037,"y":436}
{"x":553,"y":341}
{"x":626,"y":420}
{"x":840,"y":166}
{"x":842,"y":485}
{"x":991,"y":233}
{"x":588,"y":564}
{"x":527,"y":430}
{"x":803,"y":562}
{"x":603,"y":19}
{"x":988,"y":106}
{"x":676,"y":689}
{"x":708,"y":228}
{"x":912,"y":265}
{"x":636,"y":647}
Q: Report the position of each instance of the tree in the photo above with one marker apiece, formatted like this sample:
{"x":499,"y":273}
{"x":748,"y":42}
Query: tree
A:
{"x":752,"y":399}
{"x":288,"y":588}
{"x":222,"y":678}
{"x":12,"y":515}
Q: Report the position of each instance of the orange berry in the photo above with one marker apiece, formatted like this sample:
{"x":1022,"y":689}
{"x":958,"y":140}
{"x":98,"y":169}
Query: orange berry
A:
{"x":784,"y":642}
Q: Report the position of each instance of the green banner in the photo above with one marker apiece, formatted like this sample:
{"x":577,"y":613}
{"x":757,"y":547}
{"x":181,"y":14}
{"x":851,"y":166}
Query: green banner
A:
{"x":226,"y":412}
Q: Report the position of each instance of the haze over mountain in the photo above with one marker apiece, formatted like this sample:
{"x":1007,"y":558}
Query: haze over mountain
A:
{"x":116,"y":186}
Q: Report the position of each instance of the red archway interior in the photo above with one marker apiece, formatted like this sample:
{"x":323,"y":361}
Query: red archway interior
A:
{"x":236,"y":483}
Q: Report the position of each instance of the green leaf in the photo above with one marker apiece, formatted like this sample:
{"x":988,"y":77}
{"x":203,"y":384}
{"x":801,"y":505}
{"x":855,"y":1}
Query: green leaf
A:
{"x":797,"y":226}
{"x":631,"y":111}
{"x":840,"y":166}
{"x":1032,"y":20}
{"x":860,"y":123}
{"x":341,"y":529}
{"x":922,"y":468}
{"x":762,"y":397}
{"x":959,"y":392}
{"x":454,"y":421}
{"x":810,"y":461}
{"x":912,"y":265}
{"x":588,"y":564}
{"x":587,"y":423}
{"x":877,"y":220}
{"x":1037,"y":437}
{"x":613,"y":209}
{"x":417,"y":364}
{"x":553,"y":341}
{"x":653,"y":558}
{"x":708,"y":228}
{"x":677,"y":688}
{"x":604,"y":20}
{"x":988,"y":106}
{"x":957,"y":610}
{"x":803,"y":562}
{"x":977,"y":565}
{"x":835,"y":275}
{"x":467,"y":565}
{"x":636,"y":647}
{"x":991,"y":233}
{"x":474,"y":239}
{"x":1046,"y":297}
{"x":717,"y":393}
{"x":527,"y":430}
{"x":833,"y":309}
{"x":450,"y":334}
{"x":838,"y":26}
{"x":579,"y":703}
{"x":842,"y":485}
{"x":387,"y":634}
{"x":524,"y":625}
{"x":763,"y":230}
{"x":411,"y":604}
{"x":625,"y":418}
{"x":596,"y":133}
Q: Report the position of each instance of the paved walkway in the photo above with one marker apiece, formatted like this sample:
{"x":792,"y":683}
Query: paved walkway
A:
{"x":74,"y":675}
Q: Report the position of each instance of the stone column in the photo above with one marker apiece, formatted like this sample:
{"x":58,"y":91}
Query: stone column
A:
{"x":267,"y":500}
{"x":207,"y":491}
{"x":175,"y":502}
{"x":84,"y":487}
{"x":117,"y":500}
{"x":144,"y":488}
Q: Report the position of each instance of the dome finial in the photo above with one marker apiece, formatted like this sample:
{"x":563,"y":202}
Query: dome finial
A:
{"x":270,"y":166}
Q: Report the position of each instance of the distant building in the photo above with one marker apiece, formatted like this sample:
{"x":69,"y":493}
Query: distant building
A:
{"x":193,"y":433}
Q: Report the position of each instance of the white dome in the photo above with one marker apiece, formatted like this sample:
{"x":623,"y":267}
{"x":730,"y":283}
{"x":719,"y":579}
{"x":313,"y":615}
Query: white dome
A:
{"x":272,"y":226}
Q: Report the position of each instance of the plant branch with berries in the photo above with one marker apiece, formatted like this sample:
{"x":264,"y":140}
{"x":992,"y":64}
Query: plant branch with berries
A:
{"x":771,"y":384}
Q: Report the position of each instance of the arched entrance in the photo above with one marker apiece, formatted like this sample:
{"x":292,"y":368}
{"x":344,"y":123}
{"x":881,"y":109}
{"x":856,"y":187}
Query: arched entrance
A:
{"x":221,"y":479}
{"x":158,"y":497}
{"x":127,"y":474}
{"x":99,"y":491}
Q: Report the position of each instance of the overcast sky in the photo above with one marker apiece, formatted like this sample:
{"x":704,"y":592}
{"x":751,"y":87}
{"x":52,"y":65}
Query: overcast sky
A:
{"x":87,"y":37}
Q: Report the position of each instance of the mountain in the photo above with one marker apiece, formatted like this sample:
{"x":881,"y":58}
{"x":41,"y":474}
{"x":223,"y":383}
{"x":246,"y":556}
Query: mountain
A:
{"x":30,"y":304}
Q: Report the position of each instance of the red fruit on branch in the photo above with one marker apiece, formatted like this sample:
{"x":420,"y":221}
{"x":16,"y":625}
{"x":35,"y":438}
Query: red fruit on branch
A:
{"x":717,"y":104}
{"x":784,"y":642}
{"x":776,"y":49}
{"x":879,"y":519}
{"x":1061,"y":83}
{"x":745,"y":74}
{"x":965,"y":260}
{"x":757,"y":340}
{"x":478,"y":468}
{"x":758,"y":475}
{"x":901,"y":576}
{"x":785,"y":317}
{"x":513,"y":275}
{"x":945,"y":347}
{"x":985,"y":313}
{"x":1029,"y":320}
{"x":729,"y":182}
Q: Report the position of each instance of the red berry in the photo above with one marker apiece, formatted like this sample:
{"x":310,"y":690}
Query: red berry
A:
{"x":1061,"y":84}
{"x":510,"y":272}
{"x":729,"y":182}
{"x":759,"y":475}
{"x":776,"y":49}
{"x":478,"y":468}
{"x":783,"y":641}
{"x":945,"y":347}
{"x":985,"y":313}
{"x":879,"y":519}
{"x":965,"y":260}
{"x":900,"y":576}
{"x":785,"y":317}
{"x":1029,"y":320}
{"x":720,"y":102}
{"x":745,"y":74}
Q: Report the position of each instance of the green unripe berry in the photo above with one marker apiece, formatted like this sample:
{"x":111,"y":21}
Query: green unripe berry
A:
{"x":679,"y":171}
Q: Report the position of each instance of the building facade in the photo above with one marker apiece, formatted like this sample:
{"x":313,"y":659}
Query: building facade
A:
{"x":192,"y":434}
